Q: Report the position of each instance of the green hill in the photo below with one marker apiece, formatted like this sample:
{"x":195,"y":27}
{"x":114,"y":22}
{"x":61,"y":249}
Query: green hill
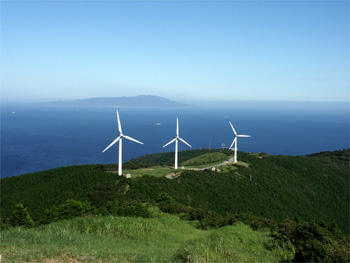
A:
{"x":314,"y":187}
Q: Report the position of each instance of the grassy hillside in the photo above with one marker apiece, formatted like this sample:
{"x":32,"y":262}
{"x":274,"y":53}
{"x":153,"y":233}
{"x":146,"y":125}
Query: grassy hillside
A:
{"x":169,"y":158}
{"x":315,"y":187}
{"x":164,"y":238}
{"x":276,"y":188}
{"x":205,"y":159}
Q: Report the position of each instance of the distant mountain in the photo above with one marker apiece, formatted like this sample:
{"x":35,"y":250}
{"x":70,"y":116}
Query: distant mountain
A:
{"x":138,"y":101}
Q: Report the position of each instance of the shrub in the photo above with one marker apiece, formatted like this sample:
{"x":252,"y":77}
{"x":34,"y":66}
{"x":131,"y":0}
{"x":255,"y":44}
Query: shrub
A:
{"x":164,"y":198}
{"x":49,"y":215}
{"x":72,"y":208}
{"x":255,"y":222}
{"x":312,"y":242}
{"x":134,"y":210}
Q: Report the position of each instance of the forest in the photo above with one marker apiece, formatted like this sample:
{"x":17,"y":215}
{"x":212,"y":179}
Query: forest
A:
{"x":281,"y":193}
{"x":314,"y":187}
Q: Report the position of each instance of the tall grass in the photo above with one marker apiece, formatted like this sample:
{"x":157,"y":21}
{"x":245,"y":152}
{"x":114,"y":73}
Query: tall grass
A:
{"x":238,"y":243}
{"x":99,"y":239}
{"x":164,"y":238}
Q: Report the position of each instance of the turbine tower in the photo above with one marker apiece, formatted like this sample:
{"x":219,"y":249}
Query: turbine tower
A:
{"x":176,"y":142}
{"x":235,"y":142}
{"x":119,"y":138}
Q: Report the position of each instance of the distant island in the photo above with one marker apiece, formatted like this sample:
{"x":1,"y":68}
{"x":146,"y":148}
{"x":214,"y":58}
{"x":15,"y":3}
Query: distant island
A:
{"x":138,"y":101}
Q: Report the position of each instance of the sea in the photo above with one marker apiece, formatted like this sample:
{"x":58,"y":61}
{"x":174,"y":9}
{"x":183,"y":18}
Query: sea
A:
{"x":36,"y":138}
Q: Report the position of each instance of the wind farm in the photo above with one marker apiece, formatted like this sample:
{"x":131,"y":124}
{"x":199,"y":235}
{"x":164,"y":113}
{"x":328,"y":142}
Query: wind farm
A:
{"x":256,"y":190}
{"x":176,"y":140}
{"x":86,"y":83}
{"x":209,"y":178}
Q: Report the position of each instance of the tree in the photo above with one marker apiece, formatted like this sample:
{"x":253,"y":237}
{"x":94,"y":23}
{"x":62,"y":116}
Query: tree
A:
{"x":20,"y":217}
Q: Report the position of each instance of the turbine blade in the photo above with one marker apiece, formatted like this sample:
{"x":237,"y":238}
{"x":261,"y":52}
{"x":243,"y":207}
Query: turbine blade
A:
{"x":173,"y":140}
{"x":233,"y":128}
{"x":177,"y":126}
{"x":232,"y":143}
{"x":132,"y":139}
{"x":243,"y":136}
{"x":184,"y":141}
{"x":119,"y":125}
{"x":111,"y":144}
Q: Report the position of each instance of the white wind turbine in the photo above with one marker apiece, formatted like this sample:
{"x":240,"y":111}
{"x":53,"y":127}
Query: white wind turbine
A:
{"x":235,"y":141}
{"x":176,"y":142}
{"x":121,"y":135}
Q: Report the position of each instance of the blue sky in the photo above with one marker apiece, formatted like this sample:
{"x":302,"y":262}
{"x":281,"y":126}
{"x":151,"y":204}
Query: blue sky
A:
{"x":195,"y":50}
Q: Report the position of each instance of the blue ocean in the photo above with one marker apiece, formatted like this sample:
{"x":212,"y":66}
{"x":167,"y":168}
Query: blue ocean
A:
{"x":35,"y":138}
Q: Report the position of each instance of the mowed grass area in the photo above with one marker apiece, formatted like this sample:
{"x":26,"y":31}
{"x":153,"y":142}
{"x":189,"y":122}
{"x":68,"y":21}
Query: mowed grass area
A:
{"x":202,"y":161}
{"x":164,"y":238}
{"x":207,"y":159}
{"x":157,"y":171}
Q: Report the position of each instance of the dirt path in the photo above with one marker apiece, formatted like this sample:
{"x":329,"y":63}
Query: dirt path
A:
{"x":173,"y":175}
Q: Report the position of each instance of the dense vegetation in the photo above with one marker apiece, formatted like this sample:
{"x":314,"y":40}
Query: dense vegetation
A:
{"x":339,"y":160}
{"x":275,"y":187}
{"x":262,"y":191}
{"x":41,"y":190}
{"x":225,"y":239}
{"x":162,"y":238}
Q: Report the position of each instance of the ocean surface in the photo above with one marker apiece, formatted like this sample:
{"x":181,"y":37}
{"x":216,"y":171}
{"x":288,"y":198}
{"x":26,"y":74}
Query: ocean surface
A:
{"x":35,"y":138}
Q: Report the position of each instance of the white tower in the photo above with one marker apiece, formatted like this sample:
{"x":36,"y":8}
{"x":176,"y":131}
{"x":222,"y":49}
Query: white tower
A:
{"x":235,"y":141}
{"x":176,"y":142}
{"x":119,"y":138}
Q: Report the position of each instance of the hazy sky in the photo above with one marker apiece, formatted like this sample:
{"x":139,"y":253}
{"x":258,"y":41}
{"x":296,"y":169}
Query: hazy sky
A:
{"x":222,"y":50}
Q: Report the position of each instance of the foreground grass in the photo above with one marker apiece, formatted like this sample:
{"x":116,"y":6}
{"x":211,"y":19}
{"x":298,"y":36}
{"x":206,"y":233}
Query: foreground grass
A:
{"x":164,"y":238}
{"x":238,"y":243}
{"x":98,"y":239}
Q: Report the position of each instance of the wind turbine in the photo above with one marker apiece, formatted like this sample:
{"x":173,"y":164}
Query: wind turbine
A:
{"x":235,"y":142}
{"x":120,"y":137}
{"x":176,"y":142}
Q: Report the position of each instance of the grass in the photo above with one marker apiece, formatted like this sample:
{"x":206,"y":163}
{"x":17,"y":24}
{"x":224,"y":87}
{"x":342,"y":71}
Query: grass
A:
{"x":238,"y":243}
{"x":157,"y":171}
{"x":164,"y":238}
{"x":99,"y":239}
{"x":201,"y":161}
{"x":206,"y":159}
